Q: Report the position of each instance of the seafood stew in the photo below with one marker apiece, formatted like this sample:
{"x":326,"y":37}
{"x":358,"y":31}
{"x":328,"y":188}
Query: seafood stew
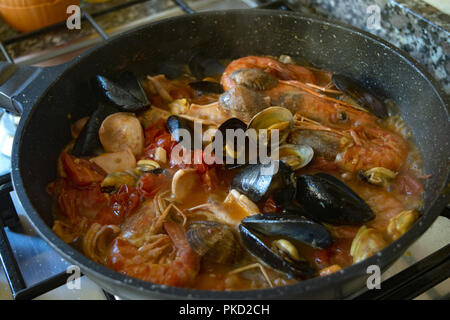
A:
{"x":348,"y":178}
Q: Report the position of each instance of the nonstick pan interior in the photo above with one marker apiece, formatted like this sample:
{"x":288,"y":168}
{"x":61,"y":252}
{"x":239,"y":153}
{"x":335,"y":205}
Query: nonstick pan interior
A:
{"x":45,"y":128}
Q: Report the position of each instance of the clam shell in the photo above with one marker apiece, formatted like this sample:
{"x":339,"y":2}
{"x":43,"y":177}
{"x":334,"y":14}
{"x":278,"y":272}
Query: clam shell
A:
{"x":214,"y":241}
{"x":295,"y":155}
{"x":273,"y":118}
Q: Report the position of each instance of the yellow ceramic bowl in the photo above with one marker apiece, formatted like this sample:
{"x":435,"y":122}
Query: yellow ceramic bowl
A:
{"x":29,"y":15}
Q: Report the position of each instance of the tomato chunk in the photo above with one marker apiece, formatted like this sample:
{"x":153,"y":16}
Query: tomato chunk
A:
{"x":157,"y":136}
{"x":122,"y":204}
{"x":150,"y":184}
{"x":75,"y":202}
{"x":81,"y":172}
{"x":154,"y":130}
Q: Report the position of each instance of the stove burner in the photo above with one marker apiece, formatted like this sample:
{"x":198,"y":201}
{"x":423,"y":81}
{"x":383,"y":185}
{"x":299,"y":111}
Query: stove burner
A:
{"x":8,"y":125}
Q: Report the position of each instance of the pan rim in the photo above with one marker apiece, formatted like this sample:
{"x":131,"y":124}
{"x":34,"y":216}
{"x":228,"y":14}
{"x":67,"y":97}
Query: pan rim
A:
{"x":133,"y":284}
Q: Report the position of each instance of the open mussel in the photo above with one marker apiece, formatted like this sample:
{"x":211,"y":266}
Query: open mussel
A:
{"x":290,"y":226}
{"x":286,"y":250}
{"x":182,"y":131}
{"x":259,"y":181}
{"x":145,"y":166}
{"x":126,"y":93}
{"x":325,"y":198}
{"x":254,"y":78}
{"x":214,"y":241}
{"x":361,"y":95}
{"x":272,"y":255}
{"x":234,"y":149}
{"x":88,"y":141}
{"x":378,"y":176}
{"x":232,"y":124}
{"x":207,"y":87}
{"x":115,"y":180}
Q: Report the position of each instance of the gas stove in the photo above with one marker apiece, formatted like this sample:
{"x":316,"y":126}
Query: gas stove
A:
{"x":32,"y":270}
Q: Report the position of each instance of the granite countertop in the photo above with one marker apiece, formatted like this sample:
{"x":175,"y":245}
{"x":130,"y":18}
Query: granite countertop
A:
{"x":411,"y":25}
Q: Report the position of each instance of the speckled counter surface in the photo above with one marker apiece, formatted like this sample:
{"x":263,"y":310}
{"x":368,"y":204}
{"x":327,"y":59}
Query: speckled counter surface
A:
{"x":411,"y":25}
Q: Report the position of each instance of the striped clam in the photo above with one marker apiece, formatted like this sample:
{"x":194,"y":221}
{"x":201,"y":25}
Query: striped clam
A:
{"x":214,"y":241}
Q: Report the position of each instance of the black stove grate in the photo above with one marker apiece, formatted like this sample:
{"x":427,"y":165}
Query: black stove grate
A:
{"x":407,"y":284}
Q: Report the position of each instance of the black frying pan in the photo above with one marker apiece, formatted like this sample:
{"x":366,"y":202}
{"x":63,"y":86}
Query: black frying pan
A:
{"x":45,"y":101}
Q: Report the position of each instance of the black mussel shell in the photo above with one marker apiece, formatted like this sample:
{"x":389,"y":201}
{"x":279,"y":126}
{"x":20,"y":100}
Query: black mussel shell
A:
{"x":88,"y":141}
{"x":232,"y":124}
{"x":202,"y":66}
{"x":297,"y":269}
{"x":290,"y":226}
{"x":361,"y":95}
{"x":220,"y":142}
{"x":333,"y":179}
{"x":326,"y":199}
{"x":258,"y":186}
{"x":207,"y":87}
{"x":126,"y":93}
{"x":183,"y":132}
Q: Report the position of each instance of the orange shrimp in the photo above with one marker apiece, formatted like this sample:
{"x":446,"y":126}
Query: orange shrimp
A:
{"x":373,"y":147}
{"x":181,"y":271}
{"x":278,"y":69}
{"x":306,"y":101}
{"x":383,"y":203}
{"x":366,"y":146}
{"x":361,"y":147}
{"x":298,"y":92}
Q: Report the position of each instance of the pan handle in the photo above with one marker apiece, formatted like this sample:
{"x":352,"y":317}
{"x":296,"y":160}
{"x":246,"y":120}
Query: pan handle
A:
{"x":15,"y":80}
